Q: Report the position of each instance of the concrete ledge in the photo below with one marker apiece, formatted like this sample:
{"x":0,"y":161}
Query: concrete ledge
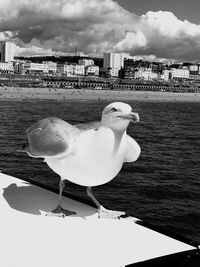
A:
{"x":31,"y":239}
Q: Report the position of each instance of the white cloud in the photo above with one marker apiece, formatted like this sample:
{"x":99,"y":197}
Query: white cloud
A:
{"x":131,"y":41}
{"x":152,"y":58}
{"x":6,"y":35}
{"x":167,"y":24}
{"x":32,"y":51}
{"x":163,"y":34}
{"x":95,"y":27}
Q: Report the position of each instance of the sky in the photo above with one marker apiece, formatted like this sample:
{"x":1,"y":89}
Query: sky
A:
{"x":183,"y":9}
{"x":155,"y":30}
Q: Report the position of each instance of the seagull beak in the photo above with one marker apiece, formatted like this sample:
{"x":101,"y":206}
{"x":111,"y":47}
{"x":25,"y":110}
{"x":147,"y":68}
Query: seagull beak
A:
{"x":134,"y":117}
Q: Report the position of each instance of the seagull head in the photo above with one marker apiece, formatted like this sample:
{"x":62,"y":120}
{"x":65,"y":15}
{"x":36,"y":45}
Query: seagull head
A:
{"x":118,"y":115}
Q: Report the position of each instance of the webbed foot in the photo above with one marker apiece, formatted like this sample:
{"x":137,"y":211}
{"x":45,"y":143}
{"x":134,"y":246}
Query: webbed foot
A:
{"x":60,"y":212}
{"x":104,"y":213}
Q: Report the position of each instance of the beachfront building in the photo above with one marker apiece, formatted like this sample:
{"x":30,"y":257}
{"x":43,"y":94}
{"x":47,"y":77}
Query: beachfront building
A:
{"x":50,"y":66}
{"x":71,"y":70}
{"x":35,"y":68}
{"x":86,"y":62}
{"x":194,"y":77}
{"x":179,"y":74}
{"x":7,"y":51}
{"x":46,"y":67}
{"x":18,"y":66}
{"x":193,"y":68}
{"x":6,"y":67}
{"x":79,"y":70}
{"x":92,"y":70}
{"x":114,"y":62}
{"x":165,"y":75}
{"x":68,"y":70}
{"x":62,"y":68}
{"x":145,"y":74}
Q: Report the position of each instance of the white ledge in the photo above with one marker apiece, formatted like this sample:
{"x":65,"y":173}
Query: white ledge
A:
{"x":28,"y":238}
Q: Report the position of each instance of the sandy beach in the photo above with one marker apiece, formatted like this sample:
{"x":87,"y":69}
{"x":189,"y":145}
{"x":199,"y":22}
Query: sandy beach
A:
{"x":18,"y":93}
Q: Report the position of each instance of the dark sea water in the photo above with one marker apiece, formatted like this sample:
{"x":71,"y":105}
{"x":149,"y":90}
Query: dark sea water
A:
{"x":161,"y":187}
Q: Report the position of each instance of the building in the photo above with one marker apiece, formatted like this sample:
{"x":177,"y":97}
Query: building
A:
{"x":18,"y":66}
{"x":46,"y":67}
{"x":79,"y":70}
{"x":35,"y":68}
{"x":6,"y":67}
{"x":71,"y":70}
{"x":194,"y":77}
{"x":114,"y":62}
{"x":92,"y":70}
{"x":193,"y":68}
{"x":61,"y":68}
{"x":7,"y":51}
{"x":179,"y":74}
{"x":51,"y":66}
{"x":176,"y":74}
{"x":146,"y":74}
{"x":165,"y":75}
{"x":86,"y":62}
{"x":68,"y":69}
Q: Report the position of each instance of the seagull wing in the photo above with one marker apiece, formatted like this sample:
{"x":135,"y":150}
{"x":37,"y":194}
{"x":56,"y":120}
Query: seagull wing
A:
{"x":133,"y":150}
{"x":51,"y":137}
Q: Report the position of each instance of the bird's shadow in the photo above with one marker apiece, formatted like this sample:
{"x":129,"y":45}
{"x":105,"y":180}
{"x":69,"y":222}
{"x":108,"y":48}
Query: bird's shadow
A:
{"x":35,"y":200}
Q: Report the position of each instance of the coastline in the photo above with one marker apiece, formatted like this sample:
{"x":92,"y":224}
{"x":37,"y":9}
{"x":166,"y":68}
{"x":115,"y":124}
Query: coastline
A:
{"x":20,"y":93}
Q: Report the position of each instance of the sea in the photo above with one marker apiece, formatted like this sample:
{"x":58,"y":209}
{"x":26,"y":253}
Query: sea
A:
{"x":162,"y":187}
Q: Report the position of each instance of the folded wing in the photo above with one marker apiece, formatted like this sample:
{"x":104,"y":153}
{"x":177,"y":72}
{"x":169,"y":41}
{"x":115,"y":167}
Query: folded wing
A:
{"x":51,"y":137}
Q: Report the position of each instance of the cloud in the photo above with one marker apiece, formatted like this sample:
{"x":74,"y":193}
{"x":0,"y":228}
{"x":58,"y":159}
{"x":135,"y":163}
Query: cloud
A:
{"x":63,"y":24}
{"x":163,"y":34}
{"x":131,"y":41}
{"x":96,"y":27}
{"x":152,"y":58}
{"x":33,"y":50}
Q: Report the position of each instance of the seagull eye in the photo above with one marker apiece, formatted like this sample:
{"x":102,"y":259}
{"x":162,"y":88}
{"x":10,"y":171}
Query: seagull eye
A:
{"x":113,"y":109}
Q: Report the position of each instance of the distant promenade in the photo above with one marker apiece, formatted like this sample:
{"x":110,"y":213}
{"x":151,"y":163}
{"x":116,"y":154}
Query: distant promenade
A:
{"x":22,"y":93}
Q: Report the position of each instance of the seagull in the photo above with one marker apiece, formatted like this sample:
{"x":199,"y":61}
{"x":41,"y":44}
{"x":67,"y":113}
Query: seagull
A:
{"x":86,"y":154}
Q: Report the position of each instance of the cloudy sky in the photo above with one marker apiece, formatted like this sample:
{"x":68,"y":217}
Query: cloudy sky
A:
{"x":152,"y":29}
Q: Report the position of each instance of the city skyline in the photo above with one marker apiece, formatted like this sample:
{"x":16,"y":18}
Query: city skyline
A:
{"x":154,"y":31}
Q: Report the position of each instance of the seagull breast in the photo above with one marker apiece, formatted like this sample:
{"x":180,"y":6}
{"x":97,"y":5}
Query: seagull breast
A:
{"x":94,"y":161}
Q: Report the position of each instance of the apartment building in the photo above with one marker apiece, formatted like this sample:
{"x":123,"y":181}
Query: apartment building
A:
{"x":7,"y":51}
{"x":86,"y":62}
{"x":6,"y":67}
{"x":71,"y":70}
{"x":114,"y":62}
{"x":176,"y":74}
{"x":145,"y":74}
{"x":35,"y":68}
{"x":92,"y":70}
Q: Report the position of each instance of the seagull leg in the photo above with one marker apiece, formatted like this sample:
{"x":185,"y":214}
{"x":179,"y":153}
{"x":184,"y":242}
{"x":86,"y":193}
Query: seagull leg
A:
{"x":103,"y":212}
{"x":59,"y":211}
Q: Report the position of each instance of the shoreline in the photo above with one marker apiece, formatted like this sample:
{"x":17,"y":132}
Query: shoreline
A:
{"x":21,"y":93}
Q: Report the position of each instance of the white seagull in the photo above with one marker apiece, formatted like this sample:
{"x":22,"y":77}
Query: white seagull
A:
{"x":87,"y":155}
